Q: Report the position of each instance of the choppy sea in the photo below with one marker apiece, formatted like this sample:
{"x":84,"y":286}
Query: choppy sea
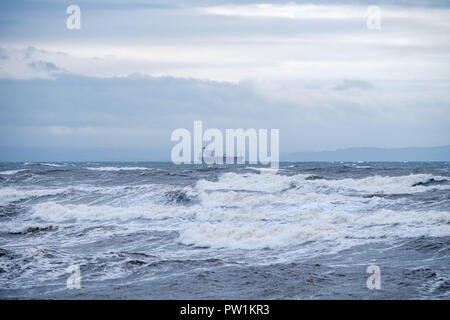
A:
{"x":161,"y":231}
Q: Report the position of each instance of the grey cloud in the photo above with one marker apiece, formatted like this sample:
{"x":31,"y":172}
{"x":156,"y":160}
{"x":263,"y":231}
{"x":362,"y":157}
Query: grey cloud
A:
{"x":30,"y":51}
{"x":353,"y":84}
{"x":135,"y":111}
{"x":44,"y":66}
{"x":3,"y":55}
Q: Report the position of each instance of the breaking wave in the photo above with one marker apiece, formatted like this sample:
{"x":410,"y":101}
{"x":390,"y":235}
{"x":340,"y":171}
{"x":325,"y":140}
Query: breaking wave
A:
{"x":117,"y":168}
{"x":253,"y":211}
{"x":11,"y":172}
{"x":412,"y":183}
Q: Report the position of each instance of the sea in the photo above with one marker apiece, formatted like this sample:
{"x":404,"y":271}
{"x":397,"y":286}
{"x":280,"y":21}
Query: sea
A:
{"x":155,"y":230}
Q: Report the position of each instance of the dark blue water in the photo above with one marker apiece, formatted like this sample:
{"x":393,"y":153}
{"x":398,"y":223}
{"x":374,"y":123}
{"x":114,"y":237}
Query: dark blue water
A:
{"x":156,"y":230}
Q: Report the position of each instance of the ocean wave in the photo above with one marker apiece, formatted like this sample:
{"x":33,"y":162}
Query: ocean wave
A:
{"x":57,"y":212}
{"x":254,"y":211}
{"x":330,"y":230}
{"x":412,"y":183}
{"x":286,"y":202}
{"x":10,"y":194}
{"x":122,"y":195}
{"x":250,"y":182}
{"x":117,"y":168}
{"x":264,"y":170}
{"x":430,"y":182}
{"x":246,"y":227}
{"x":52,"y":165}
{"x":11,"y":172}
{"x":178,"y":196}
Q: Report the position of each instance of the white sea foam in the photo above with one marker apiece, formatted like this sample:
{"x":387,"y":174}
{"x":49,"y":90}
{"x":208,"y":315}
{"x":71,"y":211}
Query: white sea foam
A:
{"x":330,"y":229}
{"x":11,"y":172}
{"x":12,"y":194}
{"x":57,"y":212}
{"x":52,"y":165}
{"x":388,"y":185}
{"x":276,"y":183}
{"x":288,"y":201}
{"x":254,"y":229}
{"x":118,"y":168}
{"x":264,"y":170}
{"x":119,"y":196}
{"x":250,"y":182}
{"x":253,"y":211}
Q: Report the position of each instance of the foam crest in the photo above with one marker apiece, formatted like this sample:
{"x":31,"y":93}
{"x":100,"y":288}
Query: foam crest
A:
{"x":413,"y":183}
{"x":11,"y":172}
{"x":10,"y":194}
{"x":334,"y":231}
{"x":118,"y":168}
{"x":57,"y":212}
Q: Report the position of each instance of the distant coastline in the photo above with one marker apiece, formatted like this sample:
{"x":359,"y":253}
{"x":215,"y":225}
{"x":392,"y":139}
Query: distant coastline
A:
{"x":441,"y":153}
{"x":46,"y":154}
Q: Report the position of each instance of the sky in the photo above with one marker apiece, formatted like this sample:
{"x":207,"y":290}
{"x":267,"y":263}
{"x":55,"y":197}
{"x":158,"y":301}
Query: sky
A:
{"x":137,"y":70}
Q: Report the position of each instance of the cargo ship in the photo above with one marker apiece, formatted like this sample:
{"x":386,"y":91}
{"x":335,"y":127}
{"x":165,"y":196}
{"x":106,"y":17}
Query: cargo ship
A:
{"x":209,"y":157}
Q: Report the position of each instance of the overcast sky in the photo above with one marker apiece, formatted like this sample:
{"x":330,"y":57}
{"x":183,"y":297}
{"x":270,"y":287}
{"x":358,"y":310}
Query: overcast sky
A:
{"x":137,"y":70}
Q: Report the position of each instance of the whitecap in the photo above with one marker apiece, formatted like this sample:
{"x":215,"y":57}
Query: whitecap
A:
{"x":11,"y":172}
{"x":118,"y":168}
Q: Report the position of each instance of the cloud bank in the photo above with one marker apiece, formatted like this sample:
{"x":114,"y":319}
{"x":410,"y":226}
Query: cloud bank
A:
{"x":138,"y":70}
